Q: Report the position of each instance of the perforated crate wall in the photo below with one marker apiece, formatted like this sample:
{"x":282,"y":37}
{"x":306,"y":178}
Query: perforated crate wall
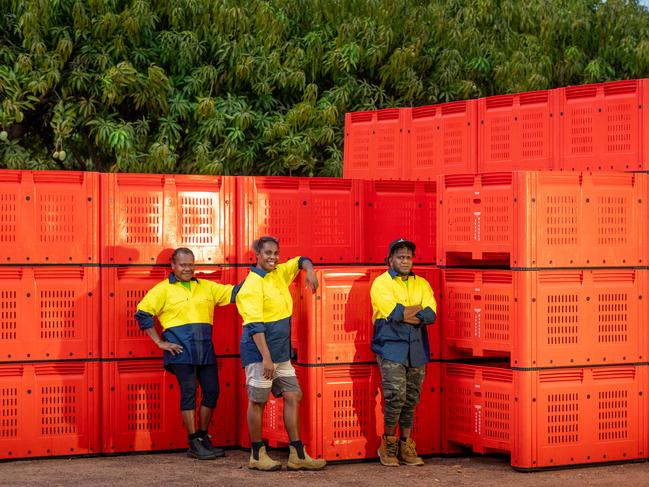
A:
{"x":604,"y":126}
{"x":125,"y":286}
{"x":141,"y":407}
{"x":49,"y":313}
{"x":146,"y":216}
{"x":549,"y":318}
{"x":539,"y":219}
{"x":49,"y":409}
{"x":399,"y":209}
{"x":518,"y":131}
{"x":314,"y":217}
{"x":546,"y":418}
{"x":374,"y":144}
{"x":441,"y":139}
{"x":49,"y":217}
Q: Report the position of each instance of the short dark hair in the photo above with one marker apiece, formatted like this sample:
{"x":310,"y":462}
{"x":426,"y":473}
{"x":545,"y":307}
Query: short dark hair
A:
{"x":258,"y":244}
{"x":183,"y":251}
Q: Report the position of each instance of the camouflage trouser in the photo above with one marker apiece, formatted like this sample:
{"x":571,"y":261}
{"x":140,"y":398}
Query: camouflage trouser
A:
{"x":401,"y":389}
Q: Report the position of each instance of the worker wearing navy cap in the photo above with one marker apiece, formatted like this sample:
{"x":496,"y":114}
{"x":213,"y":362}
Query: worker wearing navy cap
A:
{"x":403,"y":306}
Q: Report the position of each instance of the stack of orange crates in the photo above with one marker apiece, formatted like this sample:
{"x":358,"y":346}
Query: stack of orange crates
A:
{"x":344,"y":226}
{"x":544,"y":271}
{"x":567,"y":307}
{"x":49,"y":314}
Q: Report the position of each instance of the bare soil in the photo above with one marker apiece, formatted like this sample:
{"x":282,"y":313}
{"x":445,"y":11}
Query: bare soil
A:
{"x":177,"y":469}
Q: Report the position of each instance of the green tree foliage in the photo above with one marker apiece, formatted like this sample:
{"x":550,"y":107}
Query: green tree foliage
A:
{"x":261,"y":87}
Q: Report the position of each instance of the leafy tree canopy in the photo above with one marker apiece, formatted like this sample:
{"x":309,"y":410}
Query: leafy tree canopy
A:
{"x":261,"y":87}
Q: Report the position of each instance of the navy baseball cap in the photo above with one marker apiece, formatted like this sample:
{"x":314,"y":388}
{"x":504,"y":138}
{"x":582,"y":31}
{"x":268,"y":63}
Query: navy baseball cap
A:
{"x":402,"y":242}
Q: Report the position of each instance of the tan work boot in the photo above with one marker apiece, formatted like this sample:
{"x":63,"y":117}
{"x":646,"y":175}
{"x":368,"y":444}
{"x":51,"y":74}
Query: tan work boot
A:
{"x":408,"y":453}
{"x":264,"y":463}
{"x":306,"y":463}
{"x":388,"y":451}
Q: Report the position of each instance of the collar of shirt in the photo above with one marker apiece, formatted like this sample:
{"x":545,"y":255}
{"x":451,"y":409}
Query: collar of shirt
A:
{"x":394,"y":274}
{"x":260,"y":272}
{"x":173,"y":279}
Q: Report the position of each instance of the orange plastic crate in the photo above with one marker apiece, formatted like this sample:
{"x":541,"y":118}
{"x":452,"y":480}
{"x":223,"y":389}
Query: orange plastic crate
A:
{"x":313,"y":217}
{"x":49,"y":217}
{"x":547,"y":418}
{"x":399,"y":209}
{"x":543,"y":219}
{"x":604,"y":126}
{"x":548,"y":318}
{"x":335,"y":324}
{"x":49,"y":313}
{"x":141,"y":407}
{"x":124,"y":287}
{"x":146,"y":216}
{"x":374,"y":144}
{"x":49,"y":409}
{"x":441,"y":139}
{"x":341,"y":414}
{"x":518,"y":131}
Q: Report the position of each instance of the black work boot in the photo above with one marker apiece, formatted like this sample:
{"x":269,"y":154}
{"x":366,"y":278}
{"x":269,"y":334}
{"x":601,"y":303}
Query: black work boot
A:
{"x":198,"y":449}
{"x":207,"y":443}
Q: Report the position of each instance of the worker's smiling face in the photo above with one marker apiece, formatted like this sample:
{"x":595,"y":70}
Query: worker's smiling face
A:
{"x":183,"y":267}
{"x":401,"y":261}
{"x":268,"y":256}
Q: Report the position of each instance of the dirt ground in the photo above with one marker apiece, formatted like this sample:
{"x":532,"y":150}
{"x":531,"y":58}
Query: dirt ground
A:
{"x":177,"y":469}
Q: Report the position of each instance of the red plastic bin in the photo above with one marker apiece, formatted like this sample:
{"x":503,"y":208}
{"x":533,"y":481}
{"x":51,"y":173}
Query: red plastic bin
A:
{"x":49,"y":217}
{"x":124,"y":287}
{"x":374,"y":144}
{"x":49,"y":313}
{"x":543,"y":219}
{"x":518,"y":131}
{"x":49,"y":409}
{"x":549,"y":318}
{"x":314,"y":217}
{"x":547,"y":418}
{"x":441,"y":139}
{"x":341,"y":412}
{"x":146,"y":216}
{"x":141,"y":407}
{"x":335,"y":324}
{"x":399,"y":209}
{"x":604,"y":126}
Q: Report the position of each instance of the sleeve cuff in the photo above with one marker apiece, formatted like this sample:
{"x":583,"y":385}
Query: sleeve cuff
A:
{"x":427,"y":316}
{"x":397,"y":313}
{"x":302,"y":260}
{"x":256,"y":327}
{"x":144,"y":319}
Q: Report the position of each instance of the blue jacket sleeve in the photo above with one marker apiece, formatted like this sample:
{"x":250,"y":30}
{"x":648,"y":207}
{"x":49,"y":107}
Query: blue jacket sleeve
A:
{"x":254,"y":328}
{"x":144,"y":319}
{"x":427,"y":316}
{"x":397,"y":313}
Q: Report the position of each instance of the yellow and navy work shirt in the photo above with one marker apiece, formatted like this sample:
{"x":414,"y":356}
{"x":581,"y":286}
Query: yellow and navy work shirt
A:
{"x":186,"y":316}
{"x":266,"y":306}
{"x":393,"y":339}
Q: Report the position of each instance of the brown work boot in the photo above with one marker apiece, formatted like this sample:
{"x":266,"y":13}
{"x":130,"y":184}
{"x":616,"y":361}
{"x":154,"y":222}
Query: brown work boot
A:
{"x":264,"y":463}
{"x":408,"y":453}
{"x":388,"y":451}
{"x":306,"y":463}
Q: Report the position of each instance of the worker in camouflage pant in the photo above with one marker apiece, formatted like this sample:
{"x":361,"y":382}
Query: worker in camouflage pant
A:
{"x":403,"y":306}
{"x":400,"y":391}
